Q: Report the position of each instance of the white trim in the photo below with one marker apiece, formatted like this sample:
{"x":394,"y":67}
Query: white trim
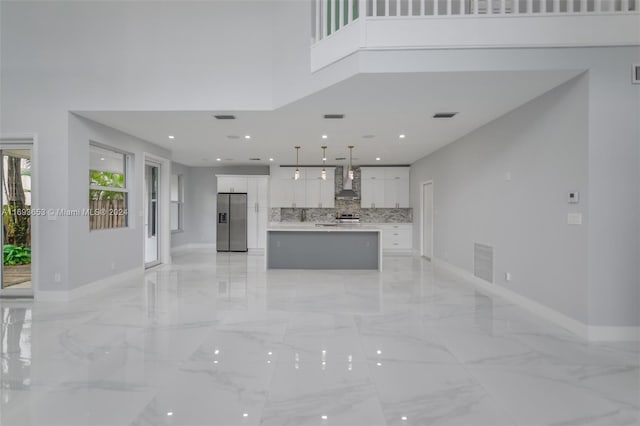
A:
{"x":30,"y":139}
{"x":591,"y":333}
{"x":164,"y":203}
{"x":433,"y":210}
{"x":90,"y":288}
{"x":191,"y":246}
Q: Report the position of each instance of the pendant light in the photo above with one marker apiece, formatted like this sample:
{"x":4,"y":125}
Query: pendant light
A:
{"x":296,"y":174}
{"x":350,"y":162}
{"x":323,"y":174}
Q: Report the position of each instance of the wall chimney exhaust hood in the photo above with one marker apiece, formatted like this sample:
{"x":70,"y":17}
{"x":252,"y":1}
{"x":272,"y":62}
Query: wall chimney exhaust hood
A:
{"x":347,"y":192}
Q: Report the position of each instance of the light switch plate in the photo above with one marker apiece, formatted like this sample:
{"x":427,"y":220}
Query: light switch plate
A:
{"x":574,"y":219}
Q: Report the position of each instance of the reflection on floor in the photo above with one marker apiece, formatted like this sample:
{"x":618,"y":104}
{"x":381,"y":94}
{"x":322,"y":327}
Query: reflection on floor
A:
{"x":215,"y":340}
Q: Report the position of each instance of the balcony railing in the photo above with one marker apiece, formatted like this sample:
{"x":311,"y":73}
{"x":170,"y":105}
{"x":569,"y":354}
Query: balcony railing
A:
{"x":331,"y":16}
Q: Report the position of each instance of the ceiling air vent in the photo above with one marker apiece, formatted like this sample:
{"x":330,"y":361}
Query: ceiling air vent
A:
{"x":341,"y":158}
{"x":233,"y":137}
{"x":444,"y":114}
{"x":334,"y":116}
{"x":635,"y":78}
{"x":225,"y":117}
{"x":254,"y":159}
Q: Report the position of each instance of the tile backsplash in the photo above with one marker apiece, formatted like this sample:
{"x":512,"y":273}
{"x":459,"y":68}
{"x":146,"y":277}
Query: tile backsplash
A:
{"x":317,"y":215}
{"x":329,"y":215}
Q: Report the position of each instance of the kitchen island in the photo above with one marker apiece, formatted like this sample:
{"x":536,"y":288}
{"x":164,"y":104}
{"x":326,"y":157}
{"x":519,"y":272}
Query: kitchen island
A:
{"x":323,"y":246}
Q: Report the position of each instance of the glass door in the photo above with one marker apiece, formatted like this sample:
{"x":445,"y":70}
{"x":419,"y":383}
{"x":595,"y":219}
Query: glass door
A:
{"x":16,"y":220}
{"x":151,"y":247}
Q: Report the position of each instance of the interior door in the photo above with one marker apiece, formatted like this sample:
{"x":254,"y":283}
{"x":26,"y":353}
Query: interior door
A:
{"x":427,"y":220}
{"x":151,"y":246}
{"x":16,"y":195}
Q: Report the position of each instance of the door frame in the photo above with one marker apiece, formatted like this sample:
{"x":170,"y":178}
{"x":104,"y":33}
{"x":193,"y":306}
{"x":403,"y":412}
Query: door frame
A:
{"x":164,"y":223}
{"x":422,"y":242}
{"x":27,"y":141}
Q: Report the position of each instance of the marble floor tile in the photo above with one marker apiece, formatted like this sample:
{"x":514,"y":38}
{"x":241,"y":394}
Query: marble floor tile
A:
{"x":214,"y":339}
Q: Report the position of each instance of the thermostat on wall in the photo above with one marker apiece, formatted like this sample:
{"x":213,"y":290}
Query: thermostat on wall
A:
{"x":573,"y":197}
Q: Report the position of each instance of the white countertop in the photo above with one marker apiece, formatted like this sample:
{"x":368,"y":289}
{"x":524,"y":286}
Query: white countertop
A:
{"x":311,"y":227}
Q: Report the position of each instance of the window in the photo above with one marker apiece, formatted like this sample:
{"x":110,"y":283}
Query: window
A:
{"x":177,"y":202}
{"x":108,"y":193}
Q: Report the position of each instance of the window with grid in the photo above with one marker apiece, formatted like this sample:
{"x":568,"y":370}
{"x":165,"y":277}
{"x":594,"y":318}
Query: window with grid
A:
{"x":108,"y":192}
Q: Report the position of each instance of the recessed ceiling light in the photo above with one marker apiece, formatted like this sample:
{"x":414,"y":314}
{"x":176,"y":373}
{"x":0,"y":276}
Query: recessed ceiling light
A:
{"x":334,"y":116}
{"x":170,"y":413}
{"x":218,"y":159}
{"x":233,"y":137}
{"x":101,"y":158}
{"x":444,"y":114}
{"x":324,"y":417}
{"x":377,"y":158}
{"x":324,"y":136}
{"x":245,"y":414}
{"x":270,"y":159}
{"x":171,"y":137}
{"x":402,"y":136}
{"x":247,"y":136}
{"x":225,"y":117}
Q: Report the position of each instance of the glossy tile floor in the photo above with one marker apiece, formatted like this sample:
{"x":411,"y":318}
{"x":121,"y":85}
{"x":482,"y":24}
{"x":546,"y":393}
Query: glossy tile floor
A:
{"x":214,"y":340}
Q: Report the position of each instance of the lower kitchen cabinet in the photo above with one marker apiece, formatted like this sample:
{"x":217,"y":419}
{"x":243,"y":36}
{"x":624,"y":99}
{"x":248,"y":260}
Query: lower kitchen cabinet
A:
{"x":396,"y":237}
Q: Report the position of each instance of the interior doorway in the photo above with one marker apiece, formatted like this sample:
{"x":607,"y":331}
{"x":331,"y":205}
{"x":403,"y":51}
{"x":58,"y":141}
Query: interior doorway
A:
{"x":17,"y":196}
{"x":427,"y":220}
{"x":151,"y":214}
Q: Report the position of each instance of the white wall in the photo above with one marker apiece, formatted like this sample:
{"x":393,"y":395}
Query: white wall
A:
{"x":544,"y":146}
{"x":94,"y":255}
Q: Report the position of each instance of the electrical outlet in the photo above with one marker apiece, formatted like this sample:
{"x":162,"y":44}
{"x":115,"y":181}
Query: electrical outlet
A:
{"x":56,"y":277}
{"x":507,"y":276}
{"x":113,"y":266}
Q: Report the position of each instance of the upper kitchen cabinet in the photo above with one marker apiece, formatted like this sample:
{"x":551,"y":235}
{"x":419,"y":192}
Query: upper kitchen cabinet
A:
{"x":396,"y":187}
{"x":232,"y":184}
{"x":285,"y":190}
{"x":320,"y":193}
{"x":385,"y":187}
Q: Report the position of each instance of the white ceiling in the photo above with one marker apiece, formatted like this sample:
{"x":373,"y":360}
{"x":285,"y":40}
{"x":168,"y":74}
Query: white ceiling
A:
{"x":383,"y":105}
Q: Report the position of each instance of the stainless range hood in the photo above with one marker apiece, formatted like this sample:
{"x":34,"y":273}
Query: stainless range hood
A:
{"x":347,"y":192}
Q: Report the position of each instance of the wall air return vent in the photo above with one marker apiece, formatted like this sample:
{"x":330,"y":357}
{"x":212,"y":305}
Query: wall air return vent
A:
{"x":334,"y":116}
{"x":225,"y":117}
{"x":635,"y":78}
{"x":444,"y":114}
{"x":483,"y":262}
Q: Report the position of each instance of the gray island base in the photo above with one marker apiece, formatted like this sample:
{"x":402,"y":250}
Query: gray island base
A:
{"x":307,"y":247}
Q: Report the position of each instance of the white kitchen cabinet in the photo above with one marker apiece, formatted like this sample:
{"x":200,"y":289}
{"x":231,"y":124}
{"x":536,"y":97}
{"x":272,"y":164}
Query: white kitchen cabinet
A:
{"x":396,"y":187}
{"x":372,"y":187}
{"x":232,"y":184}
{"x":257,"y":211}
{"x":257,"y":189}
{"x":385,"y":187}
{"x":320,"y":193}
{"x":285,"y":191}
{"x":397,"y":237}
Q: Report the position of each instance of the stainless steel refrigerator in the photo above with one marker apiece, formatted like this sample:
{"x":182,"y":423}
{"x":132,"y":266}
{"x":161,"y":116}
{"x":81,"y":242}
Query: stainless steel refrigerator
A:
{"x":232,"y":222}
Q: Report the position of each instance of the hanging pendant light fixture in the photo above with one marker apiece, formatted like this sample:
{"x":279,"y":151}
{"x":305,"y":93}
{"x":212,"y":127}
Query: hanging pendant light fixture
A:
{"x":296,"y":174}
{"x":323,"y":174}
{"x":350,"y":162}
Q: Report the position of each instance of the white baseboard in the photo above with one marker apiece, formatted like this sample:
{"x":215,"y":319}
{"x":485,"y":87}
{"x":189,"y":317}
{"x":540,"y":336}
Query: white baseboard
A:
{"x":191,"y":246}
{"x":89,"y":288}
{"x":585,"y":331}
